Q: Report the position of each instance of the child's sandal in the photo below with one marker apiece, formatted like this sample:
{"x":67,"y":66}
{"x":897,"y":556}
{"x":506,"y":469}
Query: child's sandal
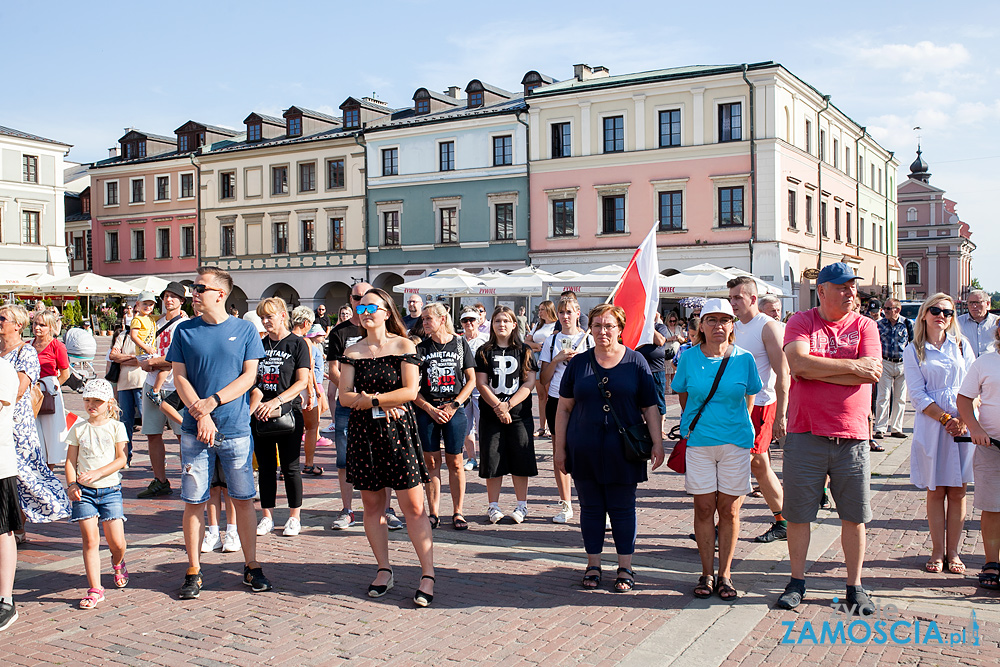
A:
{"x":121,"y":574}
{"x":94,"y":596}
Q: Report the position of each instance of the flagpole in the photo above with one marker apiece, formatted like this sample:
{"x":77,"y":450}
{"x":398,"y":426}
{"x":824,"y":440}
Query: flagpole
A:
{"x":625,"y":272}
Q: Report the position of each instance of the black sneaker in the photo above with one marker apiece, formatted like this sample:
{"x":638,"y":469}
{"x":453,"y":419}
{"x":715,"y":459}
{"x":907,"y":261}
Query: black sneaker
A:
{"x":192,"y":586}
{"x":255,"y":579}
{"x":792,"y":597}
{"x":824,"y":503}
{"x":156,"y":488}
{"x":8,"y":614}
{"x":859,"y":602}
{"x":774,"y":533}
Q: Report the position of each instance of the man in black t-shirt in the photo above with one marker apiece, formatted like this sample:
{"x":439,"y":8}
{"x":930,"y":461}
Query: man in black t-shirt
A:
{"x":322,"y":319}
{"x":414,"y":305}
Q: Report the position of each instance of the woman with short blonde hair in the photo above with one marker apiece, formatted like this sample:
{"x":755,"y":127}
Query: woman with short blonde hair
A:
{"x":53,"y":361}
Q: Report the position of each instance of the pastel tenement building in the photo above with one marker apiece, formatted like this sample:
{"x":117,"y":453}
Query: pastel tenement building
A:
{"x":742,"y":166}
{"x":79,"y":244}
{"x":935,"y":246}
{"x":32,"y":205}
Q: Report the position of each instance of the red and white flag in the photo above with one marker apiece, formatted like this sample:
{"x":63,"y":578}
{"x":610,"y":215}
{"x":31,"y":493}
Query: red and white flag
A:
{"x":638,"y":293}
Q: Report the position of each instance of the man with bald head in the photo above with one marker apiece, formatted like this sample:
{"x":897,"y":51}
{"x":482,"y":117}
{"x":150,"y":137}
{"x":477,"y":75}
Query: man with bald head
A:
{"x":414,"y":304}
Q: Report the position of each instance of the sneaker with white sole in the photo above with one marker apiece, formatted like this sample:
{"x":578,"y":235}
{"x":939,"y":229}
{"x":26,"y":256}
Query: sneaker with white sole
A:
{"x":344,"y":520}
{"x":565,"y":512}
{"x":211,"y":542}
{"x":265,"y":526}
{"x":292,"y":527}
{"x":494,"y":514}
{"x":519,"y":514}
{"x":392,"y":521}
{"x":471,"y":464}
{"x":231,"y":542}
{"x":607,"y":522}
{"x":329,"y":428}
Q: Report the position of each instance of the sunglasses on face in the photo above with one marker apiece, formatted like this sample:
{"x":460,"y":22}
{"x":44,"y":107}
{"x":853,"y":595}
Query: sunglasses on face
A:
{"x":356,"y":297}
{"x":947,"y":312}
{"x":369,"y":309}
{"x":201,"y":289}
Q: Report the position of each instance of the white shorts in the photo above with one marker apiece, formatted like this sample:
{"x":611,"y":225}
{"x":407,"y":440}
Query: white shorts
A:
{"x":722,"y":468}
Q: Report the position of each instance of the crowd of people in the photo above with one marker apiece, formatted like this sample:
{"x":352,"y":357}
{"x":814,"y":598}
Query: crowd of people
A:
{"x":246,"y":398}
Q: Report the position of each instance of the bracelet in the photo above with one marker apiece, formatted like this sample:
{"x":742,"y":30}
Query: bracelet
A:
{"x":218,"y":400}
{"x":72,"y":484}
{"x":945,"y":418}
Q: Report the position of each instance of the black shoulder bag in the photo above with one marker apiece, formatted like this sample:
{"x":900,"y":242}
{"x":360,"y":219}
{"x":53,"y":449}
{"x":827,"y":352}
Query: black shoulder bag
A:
{"x":637,"y":445}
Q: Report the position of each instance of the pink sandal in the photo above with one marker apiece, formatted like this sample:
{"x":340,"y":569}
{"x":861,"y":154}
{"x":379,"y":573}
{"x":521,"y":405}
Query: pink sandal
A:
{"x":121,"y":574}
{"x":94,"y":596}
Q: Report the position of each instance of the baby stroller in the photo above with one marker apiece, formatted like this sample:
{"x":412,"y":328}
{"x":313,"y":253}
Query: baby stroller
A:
{"x":81,"y":346}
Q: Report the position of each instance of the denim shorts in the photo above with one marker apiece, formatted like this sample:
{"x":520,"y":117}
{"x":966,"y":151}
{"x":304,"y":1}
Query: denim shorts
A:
{"x":452,"y":432}
{"x":105,"y":504}
{"x":198,"y":462}
{"x":341,"y":416}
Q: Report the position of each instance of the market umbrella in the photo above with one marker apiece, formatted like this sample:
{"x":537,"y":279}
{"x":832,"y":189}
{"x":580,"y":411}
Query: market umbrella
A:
{"x":454,"y":282}
{"x":11,"y":281}
{"x":153,"y":284}
{"x":84,"y":284}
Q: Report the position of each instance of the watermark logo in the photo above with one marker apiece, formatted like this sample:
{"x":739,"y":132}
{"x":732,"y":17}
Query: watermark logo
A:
{"x":885,"y":626}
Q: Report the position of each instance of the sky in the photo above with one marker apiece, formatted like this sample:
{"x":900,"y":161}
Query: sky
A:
{"x":85,"y":72}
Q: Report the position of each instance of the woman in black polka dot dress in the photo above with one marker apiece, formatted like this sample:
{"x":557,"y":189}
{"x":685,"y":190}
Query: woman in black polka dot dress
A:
{"x":380,"y":376}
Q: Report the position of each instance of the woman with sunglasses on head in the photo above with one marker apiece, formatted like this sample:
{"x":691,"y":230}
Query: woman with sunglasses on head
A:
{"x":379,"y":379}
{"x":505,"y":375}
{"x":934,"y":365}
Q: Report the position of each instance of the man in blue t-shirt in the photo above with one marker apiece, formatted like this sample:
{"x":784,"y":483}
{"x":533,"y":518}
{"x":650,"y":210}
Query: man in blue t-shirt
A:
{"x":214,"y":359}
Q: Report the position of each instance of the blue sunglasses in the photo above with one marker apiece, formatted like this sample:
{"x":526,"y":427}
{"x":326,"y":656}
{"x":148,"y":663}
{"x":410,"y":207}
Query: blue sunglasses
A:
{"x":369,"y":309}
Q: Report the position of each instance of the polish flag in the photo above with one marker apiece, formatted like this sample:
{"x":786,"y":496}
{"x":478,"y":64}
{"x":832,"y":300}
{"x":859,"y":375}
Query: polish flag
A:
{"x":638,"y":293}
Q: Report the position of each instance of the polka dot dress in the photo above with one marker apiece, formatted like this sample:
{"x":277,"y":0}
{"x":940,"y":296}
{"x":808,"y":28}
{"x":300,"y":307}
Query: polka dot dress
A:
{"x":383,"y":452}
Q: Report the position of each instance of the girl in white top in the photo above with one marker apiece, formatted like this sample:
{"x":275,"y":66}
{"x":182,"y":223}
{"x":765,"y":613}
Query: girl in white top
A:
{"x":94,"y":458}
{"x":545,"y":327}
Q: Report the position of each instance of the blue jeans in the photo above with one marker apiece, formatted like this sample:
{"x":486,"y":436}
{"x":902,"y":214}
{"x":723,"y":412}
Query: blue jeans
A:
{"x":130,"y":401}
{"x":198,"y":462}
{"x":341,"y":416}
{"x":453,"y":432}
{"x":615,"y":500}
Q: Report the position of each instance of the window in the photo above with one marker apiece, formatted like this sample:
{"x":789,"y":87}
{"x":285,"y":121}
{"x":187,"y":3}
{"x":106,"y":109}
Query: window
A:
{"x":111,"y":193}
{"x":30,"y":234}
{"x":912,"y":273}
{"x":307,"y":177}
{"x":809,"y":134}
{"x":163,"y":243}
{"x":449,"y":225}
{"x":446,"y":156}
{"x":138,"y":244}
{"x":613,"y":214}
{"x":279,"y":180}
{"x":111,"y":247}
{"x":561,"y":143}
{"x":873,"y":236}
{"x":228,"y":240}
{"x":390,"y":161}
{"x":162,"y":188}
{"x":847,"y":225}
{"x":253,"y":132}
{"x":187,"y":185}
{"x":861,"y":232}
{"x":295,"y":126}
{"x":836,"y":223}
{"x":671,"y":211}
{"x":352,"y":118}
{"x":141,"y":145}
{"x":731,"y":207}
{"x":822,"y":145}
{"x":670,"y":128}
{"x":130,"y":150}
{"x":79,"y":248}
{"x":503,"y":222}
{"x":792,"y":223}
{"x":879,"y":181}
{"x":476,"y":99}
{"x":281,"y":238}
{"x":809,"y":214}
{"x":187,"y":241}
{"x":503,"y":150}
{"x":873,"y":181}
{"x":881,"y":238}
{"x":847,"y":160}
{"x":423,"y":106}
{"x":336,"y":233}
{"x":183,"y":142}
{"x":390,"y":228}
{"x":227,"y":183}
{"x":731,"y":122}
{"x":562,"y":218}
{"x":308,"y":236}
{"x":334,"y":174}
{"x":138,"y":195}
{"x":836,"y":153}
{"x":29,"y":168}
{"x":614,"y":134}
{"x":822,"y":220}
{"x":911,"y":214}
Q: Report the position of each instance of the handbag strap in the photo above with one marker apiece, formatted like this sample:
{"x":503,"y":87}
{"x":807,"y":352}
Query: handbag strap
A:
{"x":602,"y":381}
{"x":715,"y":385}
{"x":167,"y":325}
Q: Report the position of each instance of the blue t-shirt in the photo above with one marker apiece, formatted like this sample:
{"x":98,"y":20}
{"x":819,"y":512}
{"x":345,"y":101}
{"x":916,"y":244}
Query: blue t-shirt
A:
{"x":213,"y":355}
{"x":725,"y":419}
{"x":319,"y":359}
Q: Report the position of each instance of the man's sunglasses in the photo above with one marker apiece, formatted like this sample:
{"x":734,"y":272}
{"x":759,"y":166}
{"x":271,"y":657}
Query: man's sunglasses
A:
{"x":201,"y":289}
{"x":357,"y":297}
{"x":369,"y":309}
{"x":947,"y":312}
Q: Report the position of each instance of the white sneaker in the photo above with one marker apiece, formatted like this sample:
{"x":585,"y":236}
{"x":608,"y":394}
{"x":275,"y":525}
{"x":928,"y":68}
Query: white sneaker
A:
{"x":329,"y":428}
{"x":494,"y":514}
{"x":292,"y":527}
{"x":265,"y":526}
{"x":470,"y":464}
{"x":607,"y":522}
{"x":211,"y":541}
{"x":519,"y":514}
{"x":344,"y":520}
{"x":565,"y":512}
{"x":231,"y":542}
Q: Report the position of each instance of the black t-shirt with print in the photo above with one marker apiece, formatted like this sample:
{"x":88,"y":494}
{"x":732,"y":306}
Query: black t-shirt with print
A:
{"x":442,"y":368}
{"x":502,"y":366}
{"x":276,"y":371}
{"x":342,"y":337}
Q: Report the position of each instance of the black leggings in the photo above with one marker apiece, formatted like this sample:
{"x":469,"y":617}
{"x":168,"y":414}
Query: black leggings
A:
{"x":288,"y":448}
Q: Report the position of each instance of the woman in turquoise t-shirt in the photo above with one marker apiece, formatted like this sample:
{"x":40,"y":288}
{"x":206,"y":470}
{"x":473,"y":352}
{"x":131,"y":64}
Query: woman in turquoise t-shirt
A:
{"x":718,"y":455}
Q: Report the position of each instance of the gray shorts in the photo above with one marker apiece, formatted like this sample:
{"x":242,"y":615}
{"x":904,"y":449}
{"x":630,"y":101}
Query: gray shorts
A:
{"x":808,"y":459}
{"x":986,"y":468}
{"x":154,"y":421}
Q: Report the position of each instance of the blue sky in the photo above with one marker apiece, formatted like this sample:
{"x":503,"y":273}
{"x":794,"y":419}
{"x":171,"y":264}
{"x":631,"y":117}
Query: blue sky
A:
{"x":83,"y":72}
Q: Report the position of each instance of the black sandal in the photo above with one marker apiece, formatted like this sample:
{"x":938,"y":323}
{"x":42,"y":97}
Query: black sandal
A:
{"x":434,"y":520}
{"x":420,"y":598}
{"x":378,"y":591}
{"x":458,"y":522}
{"x":990,"y":580}
{"x":726,"y":590}
{"x":312,"y":470}
{"x":705,"y":587}
{"x":627,"y":583}
{"x":589,"y":579}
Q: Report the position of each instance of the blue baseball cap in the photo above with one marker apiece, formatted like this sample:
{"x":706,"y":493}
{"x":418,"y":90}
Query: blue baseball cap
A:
{"x":838,"y":273}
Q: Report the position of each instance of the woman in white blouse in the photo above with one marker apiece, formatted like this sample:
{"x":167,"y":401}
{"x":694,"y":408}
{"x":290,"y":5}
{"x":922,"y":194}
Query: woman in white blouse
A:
{"x":544,"y":327}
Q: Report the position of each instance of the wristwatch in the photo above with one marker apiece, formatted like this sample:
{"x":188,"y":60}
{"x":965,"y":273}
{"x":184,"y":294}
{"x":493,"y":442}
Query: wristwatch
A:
{"x":374,"y":401}
{"x":455,"y":404}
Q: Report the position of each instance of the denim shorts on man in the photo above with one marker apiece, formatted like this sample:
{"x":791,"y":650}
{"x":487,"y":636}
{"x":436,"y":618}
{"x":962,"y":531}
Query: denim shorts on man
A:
{"x":808,"y":459}
{"x":452,"y":432}
{"x":198,"y":462}
{"x":105,"y":504}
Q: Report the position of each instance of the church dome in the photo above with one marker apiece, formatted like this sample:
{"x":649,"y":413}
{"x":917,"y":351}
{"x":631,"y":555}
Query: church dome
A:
{"x":919,"y":169}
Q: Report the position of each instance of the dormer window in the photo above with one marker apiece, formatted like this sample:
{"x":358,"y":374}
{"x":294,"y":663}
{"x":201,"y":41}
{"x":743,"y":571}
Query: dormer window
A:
{"x":423,"y":106}
{"x":183,"y":143}
{"x":476,"y":99}
{"x":295,"y":126}
{"x":531,"y":86}
{"x":253,"y":132}
{"x":141,"y":148}
{"x":352,"y":118}
{"x":201,"y":138}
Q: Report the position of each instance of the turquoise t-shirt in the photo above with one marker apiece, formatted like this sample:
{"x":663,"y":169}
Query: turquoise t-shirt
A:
{"x":725,"y":419}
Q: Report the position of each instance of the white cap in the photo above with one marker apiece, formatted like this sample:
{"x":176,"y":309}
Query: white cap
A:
{"x":99,"y":389}
{"x":717,"y":306}
{"x":252,"y":316}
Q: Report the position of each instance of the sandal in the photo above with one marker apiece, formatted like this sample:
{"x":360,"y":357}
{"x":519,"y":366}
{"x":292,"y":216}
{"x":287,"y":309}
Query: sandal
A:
{"x":756,"y":493}
{"x":956,"y":566}
{"x":624,"y":584}
{"x":378,"y":591}
{"x":934,"y":566}
{"x":434,"y":520}
{"x":705,"y":587}
{"x":875,"y":447}
{"x":725,"y":589}
{"x":20,"y":538}
{"x":420,"y":598}
{"x":591,"y":581}
{"x":990,"y":580}
{"x":94,"y":595}
{"x":121,"y":574}
{"x":458,"y":522}
{"x":312,"y":470}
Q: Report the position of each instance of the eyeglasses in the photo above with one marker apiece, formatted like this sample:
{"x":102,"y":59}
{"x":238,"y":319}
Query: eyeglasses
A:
{"x":947,"y":312}
{"x":357,"y":297}
{"x":468,"y":319}
{"x":369,"y":309}
{"x":3,"y":319}
{"x":603,"y":327}
{"x":717,"y":321}
{"x":201,"y":288}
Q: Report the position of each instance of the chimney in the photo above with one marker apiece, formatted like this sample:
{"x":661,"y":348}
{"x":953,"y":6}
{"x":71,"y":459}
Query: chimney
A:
{"x":113,"y":152}
{"x":372,"y":100}
{"x":582,"y":72}
{"x":453,"y":91}
{"x":600,"y":72}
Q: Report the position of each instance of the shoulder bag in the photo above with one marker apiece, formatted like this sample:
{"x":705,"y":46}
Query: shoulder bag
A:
{"x":678,"y":457}
{"x":35,"y":390}
{"x":637,"y":445}
{"x":283,"y":424}
{"x":114,"y":370}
